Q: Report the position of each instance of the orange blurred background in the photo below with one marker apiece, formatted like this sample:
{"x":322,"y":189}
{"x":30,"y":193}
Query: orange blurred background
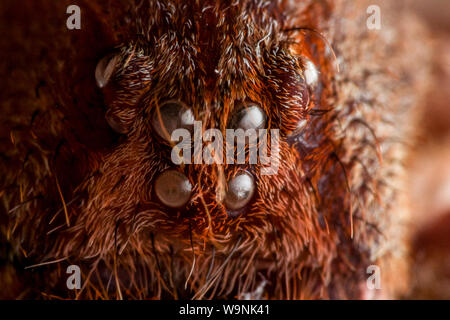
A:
{"x":429,"y":167}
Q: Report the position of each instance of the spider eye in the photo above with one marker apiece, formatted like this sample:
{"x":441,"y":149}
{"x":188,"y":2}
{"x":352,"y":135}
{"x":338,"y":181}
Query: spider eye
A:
{"x":172,"y":115}
{"x":310,"y":73}
{"x":173,"y":188}
{"x":104,"y":69}
{"x":240,"y":190}
{"x":249,"y":116}
{"x":116,"y":123}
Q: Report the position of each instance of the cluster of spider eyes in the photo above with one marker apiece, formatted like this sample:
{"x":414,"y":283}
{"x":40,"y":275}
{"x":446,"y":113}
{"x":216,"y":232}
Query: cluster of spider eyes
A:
{"x":172,"y":187}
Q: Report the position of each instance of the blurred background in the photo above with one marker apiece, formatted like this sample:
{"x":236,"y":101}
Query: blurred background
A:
{"x":429,"y":167}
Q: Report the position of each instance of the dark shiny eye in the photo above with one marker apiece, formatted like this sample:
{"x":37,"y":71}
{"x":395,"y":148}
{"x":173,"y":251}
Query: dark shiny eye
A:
{"x":249,"y":116}
{"x":172,"y":115}
{"x":104,"y":69}
{"x":240,"y":190}
{"x":173,"y":188}
{"x":116,"y":123}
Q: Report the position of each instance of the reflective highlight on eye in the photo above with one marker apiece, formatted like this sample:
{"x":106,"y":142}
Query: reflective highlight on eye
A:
{"x":311,"y":73}
{"x":174,"y":115}
{"x":249,"y":116}
{"x":104,"y":69}
{"x":173,"y":188}
{"x":240,"y":190}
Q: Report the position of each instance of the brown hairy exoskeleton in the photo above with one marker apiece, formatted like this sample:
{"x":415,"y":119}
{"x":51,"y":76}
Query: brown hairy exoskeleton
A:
{"x":112,"y":201}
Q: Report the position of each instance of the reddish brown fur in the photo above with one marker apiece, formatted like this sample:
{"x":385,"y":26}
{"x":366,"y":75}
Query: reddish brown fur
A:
{"x":311,"y":230}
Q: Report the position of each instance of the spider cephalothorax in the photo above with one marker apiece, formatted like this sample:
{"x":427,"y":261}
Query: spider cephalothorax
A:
{"x":143,"y":226}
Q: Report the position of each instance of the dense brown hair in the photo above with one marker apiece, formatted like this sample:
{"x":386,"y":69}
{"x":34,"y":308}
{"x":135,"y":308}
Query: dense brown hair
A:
{"x":75,"y":192}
